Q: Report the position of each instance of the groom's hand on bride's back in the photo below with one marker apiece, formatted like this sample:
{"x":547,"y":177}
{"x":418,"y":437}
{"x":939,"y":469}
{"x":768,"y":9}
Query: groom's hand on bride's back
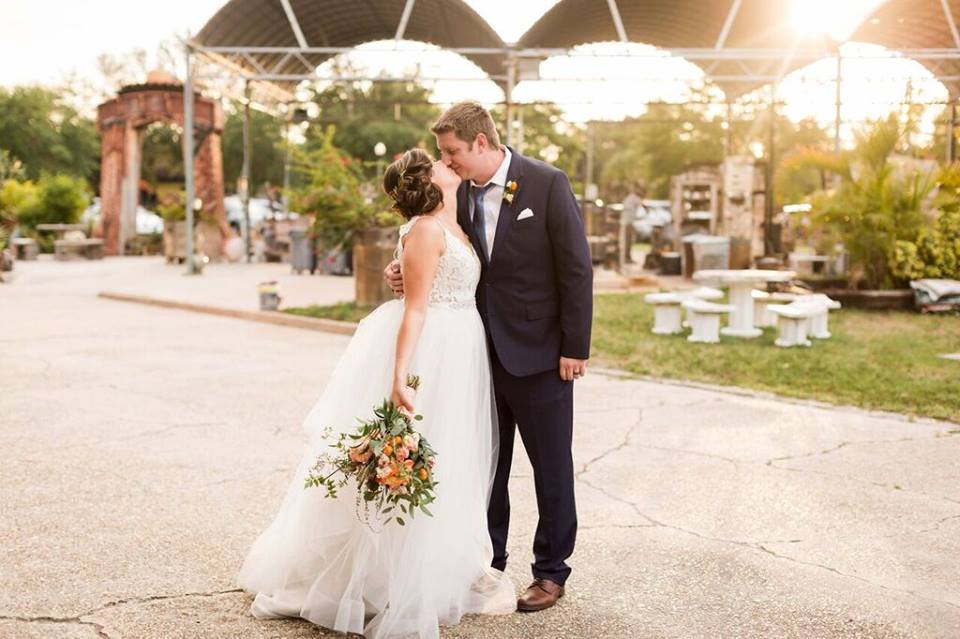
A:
{"x":394,"y":278}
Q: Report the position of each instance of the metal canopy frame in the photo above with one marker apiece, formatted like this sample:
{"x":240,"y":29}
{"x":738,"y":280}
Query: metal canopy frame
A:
{"x":736,"y":70}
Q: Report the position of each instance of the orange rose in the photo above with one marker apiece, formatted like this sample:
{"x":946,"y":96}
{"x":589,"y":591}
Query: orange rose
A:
{"x":388,"y":449}
{"x":423,"y":474}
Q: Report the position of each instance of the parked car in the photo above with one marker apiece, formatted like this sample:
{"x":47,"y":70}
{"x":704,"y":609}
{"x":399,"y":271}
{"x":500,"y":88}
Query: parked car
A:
{"x":260,"y":209}
{"x":147,"y":222}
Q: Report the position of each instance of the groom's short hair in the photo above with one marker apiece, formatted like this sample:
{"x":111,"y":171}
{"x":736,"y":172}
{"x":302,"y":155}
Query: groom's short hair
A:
{"x":466,"y":120}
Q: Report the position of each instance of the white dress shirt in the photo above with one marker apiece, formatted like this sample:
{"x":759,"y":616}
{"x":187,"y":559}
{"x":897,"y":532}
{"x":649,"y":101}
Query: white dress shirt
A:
{"x":492,"y":199}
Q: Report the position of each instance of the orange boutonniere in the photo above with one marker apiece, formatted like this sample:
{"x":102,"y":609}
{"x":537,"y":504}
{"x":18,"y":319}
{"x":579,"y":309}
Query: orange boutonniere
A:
{"x":509,"y":191}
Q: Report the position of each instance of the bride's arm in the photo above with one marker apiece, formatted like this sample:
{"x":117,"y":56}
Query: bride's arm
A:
{"x":422,"y":248}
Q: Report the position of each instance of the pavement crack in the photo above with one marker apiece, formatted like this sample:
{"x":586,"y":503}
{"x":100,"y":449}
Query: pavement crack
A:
{"x":833,"y":570}
{"x":98,"y":628}
{"x":695,"y":453}
{"x":761,"y":547}
{"x":84,"y":618}
{"x":845,"y":444}
{"x":623,"y":444}
{"x":879,"y":484}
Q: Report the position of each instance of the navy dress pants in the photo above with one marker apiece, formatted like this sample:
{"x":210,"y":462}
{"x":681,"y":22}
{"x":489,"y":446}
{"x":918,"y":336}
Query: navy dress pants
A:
{"x":540,"y":406}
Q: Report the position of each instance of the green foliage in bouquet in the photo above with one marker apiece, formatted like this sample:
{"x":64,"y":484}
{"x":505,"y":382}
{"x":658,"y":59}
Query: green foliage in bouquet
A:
{"x":391,"y":463}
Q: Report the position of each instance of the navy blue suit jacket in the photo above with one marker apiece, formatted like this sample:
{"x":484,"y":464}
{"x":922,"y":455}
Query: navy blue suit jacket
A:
{"x":536,"y":291}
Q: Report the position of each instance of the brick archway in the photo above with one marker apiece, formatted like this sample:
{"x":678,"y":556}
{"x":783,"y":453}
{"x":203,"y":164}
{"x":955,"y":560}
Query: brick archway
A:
{"x":121,"y":122}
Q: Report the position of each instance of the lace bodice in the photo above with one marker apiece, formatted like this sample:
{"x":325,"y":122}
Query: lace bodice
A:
{"x":458,"y":273}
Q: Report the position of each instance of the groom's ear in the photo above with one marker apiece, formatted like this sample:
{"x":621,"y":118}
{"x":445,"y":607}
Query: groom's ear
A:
{"x":482,"y":143}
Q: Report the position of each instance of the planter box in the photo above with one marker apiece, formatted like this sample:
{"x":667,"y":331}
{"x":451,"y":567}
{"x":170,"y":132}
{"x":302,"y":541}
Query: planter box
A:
{"x":206,"y":240}
{"x":372,"y":250}
{"x":900,"y":299}
{"x":175,"y":241}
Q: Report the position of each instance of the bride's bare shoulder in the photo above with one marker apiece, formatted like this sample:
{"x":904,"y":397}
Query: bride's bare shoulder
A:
{"x":424,"y":233}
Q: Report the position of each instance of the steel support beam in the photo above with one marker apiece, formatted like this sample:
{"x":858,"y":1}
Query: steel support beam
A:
{"x":695,"y":53}
{"x":245,"y":172}
{"x":188,"y":156}
{"x":948,"y":14}
{"x":728,"y":24}
{"x":404,"y":19}
{"x":617,"y":20}
{"x":294,"y":23}
{"x":508,"y":95}
{"x":837,"y":122}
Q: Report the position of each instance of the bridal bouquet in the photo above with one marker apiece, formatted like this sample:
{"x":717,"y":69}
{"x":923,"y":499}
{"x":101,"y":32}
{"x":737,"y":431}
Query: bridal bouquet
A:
{"x":391,"y":463}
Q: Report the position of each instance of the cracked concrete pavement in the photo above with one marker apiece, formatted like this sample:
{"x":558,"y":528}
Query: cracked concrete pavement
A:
{"x":145,"y":448}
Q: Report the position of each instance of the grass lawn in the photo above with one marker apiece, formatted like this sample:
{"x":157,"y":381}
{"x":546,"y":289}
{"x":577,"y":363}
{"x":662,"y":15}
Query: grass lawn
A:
{"x":343,"y":311}
{"x":876,"y":360}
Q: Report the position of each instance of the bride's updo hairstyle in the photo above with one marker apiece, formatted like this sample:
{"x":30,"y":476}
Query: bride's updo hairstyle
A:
{"x":407,"y":182}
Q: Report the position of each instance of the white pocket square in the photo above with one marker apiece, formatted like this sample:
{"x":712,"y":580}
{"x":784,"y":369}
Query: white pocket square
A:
{"x":524,"y":214}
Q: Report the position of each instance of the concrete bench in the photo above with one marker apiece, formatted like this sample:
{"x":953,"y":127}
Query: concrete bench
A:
{"x":704,"y":320}
{"x":793,"y":320}
{"x":705,"y":293}
{"x":761,"y":317}
{"x":24,"y":248}
{"x":666,"y":313}
{"x":818,"y":327}
{"x":91,"y":249}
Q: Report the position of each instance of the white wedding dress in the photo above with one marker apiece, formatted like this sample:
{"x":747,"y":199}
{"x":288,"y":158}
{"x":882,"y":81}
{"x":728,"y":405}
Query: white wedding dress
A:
{"x":318,"y":561}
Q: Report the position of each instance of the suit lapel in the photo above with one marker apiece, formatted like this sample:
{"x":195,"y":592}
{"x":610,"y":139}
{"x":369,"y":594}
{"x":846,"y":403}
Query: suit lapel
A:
{"x":506,"y":217}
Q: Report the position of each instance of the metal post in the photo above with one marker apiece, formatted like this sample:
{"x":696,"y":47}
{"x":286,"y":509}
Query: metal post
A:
{"x":286,"y":163}
{"x":588,"y":180}
{"x":952,"y":129}
{"x":771,"y":159}
{"x":245,"y":172}
{"x":188,"y":158}
{"x":728,"y":139}
{"x":520,"y":136}
{"x":511,"y":82}
{"x":836,"y":126}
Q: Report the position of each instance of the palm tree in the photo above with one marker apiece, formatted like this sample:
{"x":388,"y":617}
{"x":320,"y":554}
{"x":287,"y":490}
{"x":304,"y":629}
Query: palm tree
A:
{"x":875,"y":203}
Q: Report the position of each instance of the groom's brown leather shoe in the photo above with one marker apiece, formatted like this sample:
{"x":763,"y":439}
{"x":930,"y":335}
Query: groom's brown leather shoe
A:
{"x":541,"y":595}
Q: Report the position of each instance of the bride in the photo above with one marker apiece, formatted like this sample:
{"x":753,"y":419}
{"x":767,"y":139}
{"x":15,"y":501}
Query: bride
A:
{"x":318,"y":560}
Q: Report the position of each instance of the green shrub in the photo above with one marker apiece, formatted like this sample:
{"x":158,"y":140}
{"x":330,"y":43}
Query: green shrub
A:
{"x":935,"y":253}
{"x":875,"y":211}
{"x":60,"y":199}
{"x":172,"y":207}
{"x":334,"y":194}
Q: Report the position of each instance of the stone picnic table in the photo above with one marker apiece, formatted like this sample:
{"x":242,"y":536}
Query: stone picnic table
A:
{"x":741,"y":283}
{"x":60,"y":229}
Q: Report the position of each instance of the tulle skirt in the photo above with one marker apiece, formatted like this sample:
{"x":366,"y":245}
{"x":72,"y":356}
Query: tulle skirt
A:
{"x":319,"y":561}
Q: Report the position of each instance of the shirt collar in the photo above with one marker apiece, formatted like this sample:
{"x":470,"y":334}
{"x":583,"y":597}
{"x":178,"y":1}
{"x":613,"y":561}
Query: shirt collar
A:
{"x":500,"y":176}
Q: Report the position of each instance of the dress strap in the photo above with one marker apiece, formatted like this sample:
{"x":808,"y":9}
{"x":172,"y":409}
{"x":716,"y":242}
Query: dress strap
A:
{"x":405,"y":228}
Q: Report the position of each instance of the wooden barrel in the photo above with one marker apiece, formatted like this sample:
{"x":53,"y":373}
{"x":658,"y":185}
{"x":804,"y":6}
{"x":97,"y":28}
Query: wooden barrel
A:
{"x":373,"y":249}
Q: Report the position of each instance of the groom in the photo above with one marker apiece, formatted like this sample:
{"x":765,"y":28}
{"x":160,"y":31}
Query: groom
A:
{"x":535,"y":298}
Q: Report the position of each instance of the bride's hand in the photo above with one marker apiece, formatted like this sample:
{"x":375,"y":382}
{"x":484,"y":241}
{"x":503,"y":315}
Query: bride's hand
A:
{"x":402,"y":397}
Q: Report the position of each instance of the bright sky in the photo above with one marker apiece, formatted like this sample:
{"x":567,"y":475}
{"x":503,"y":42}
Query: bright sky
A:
{"x":44,"y":41}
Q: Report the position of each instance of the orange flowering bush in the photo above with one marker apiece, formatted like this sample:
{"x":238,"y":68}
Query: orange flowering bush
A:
{"x":389,"y":461}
